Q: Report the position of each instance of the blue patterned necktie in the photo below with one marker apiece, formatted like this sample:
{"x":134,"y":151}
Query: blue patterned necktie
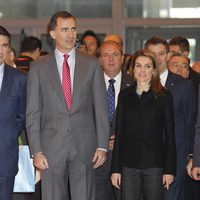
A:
{"x":111,"y":99}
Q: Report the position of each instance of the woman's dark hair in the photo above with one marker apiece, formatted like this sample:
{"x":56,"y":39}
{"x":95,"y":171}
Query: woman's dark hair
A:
{"x":92,"y":34}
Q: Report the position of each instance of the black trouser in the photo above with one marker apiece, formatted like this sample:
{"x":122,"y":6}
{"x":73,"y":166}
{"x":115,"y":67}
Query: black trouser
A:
{"x":137,"y":183}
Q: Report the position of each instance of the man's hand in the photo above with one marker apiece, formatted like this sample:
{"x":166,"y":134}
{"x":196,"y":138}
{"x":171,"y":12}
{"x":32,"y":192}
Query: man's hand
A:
{"x":40,"y":161}
{"x":167,"y":180}
{"x":99,"y":158}
{"x":196,"y":173}
{"x":189,"y":167}
{"x":116,"y":180}
{"x":111,"y":142}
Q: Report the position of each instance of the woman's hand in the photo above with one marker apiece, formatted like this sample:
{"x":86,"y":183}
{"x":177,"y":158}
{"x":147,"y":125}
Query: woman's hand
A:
{"x":116,"y":180}
{"x":167,"y":180}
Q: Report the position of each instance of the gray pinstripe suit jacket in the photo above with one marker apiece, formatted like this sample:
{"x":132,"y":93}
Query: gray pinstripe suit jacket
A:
{"x":51,"y":128}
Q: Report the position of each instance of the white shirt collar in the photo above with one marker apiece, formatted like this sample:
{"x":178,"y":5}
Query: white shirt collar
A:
{"x":163,"y":77}
{"x":2,"y":68}
{"x":116,"y":78}
{"x":60,"y":56}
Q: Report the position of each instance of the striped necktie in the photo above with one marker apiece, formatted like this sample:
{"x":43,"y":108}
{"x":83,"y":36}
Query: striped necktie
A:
{"x":66,"y":82}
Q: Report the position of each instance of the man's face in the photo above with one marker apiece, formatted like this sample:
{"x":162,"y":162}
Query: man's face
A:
{"x":111,"y":58}
{"x":179,"y":65}
{"x":4,"y":44}
{"x":65,"y":34}
{"x":161,"y":54}
{"x":173,"y":49}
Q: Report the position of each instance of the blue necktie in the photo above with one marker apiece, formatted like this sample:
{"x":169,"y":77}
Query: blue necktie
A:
{"x":111,"y":99}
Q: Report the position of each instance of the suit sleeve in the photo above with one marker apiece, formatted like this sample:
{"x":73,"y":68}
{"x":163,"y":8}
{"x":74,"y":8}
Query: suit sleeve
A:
{"x":101,"y":108}
{"x":33,"y":111}
{"x":189,"y":108}
{"x":21,"y":112}
{"x":169,"y":135}
{"x":196,"y":159}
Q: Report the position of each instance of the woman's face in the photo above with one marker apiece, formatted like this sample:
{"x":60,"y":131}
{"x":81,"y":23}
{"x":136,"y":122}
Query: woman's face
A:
{"x":143,"y":69}
{"x":91,"y":44}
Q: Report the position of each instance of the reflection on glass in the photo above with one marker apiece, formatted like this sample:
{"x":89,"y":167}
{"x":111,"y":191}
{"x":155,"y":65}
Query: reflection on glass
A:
{"x":163,"y":8}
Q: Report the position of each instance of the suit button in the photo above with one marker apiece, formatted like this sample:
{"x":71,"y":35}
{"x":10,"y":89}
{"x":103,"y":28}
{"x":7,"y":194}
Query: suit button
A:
{"x":139,"y":115}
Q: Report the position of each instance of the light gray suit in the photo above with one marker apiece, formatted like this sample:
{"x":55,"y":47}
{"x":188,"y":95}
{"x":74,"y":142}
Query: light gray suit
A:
{"x":196,"y":158}
{"x":67,"y":139}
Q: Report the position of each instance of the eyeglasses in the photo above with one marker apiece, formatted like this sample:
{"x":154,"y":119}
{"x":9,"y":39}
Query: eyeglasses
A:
{"x":180,"y":65}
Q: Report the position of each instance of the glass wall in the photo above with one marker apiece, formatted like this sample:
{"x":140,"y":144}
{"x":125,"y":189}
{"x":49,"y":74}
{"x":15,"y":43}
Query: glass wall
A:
{"x":44,"y":8}
{"x":163,"y":8}
{"x":134,"y":20}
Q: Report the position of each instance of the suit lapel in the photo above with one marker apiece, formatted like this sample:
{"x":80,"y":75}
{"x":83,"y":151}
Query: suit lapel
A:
{"x":6,"y":83}
{"x":79,"y":76}
{"x":53,"y":75}
{"x":170,"y":83}
{"x":124,"y":81}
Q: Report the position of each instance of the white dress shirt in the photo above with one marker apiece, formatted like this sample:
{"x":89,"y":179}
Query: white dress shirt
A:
{"x":1,"y":74}
{"x":163,"y":77}
{"x":117,"y":84}
{"x":71,"y":62}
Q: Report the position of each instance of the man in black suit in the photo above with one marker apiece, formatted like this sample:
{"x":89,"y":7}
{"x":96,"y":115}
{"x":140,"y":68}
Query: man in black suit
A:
{"x":179,"y":63}
{"x":195,"y":173}
{"x":111,"y":59}
{"x":184,"y":113}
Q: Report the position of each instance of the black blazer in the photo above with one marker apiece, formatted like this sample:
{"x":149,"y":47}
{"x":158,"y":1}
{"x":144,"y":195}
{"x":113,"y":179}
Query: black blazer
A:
{"x":126,"y":81}
{"x":144,"y":131}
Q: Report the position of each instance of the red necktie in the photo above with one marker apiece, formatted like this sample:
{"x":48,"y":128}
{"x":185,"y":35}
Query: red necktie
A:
{"x":66,"y":82}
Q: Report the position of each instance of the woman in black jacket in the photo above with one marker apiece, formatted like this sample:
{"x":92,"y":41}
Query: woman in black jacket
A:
{"x":144,"y":155}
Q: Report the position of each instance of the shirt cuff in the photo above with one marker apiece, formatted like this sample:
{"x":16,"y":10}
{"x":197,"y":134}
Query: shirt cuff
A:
{"x":102,"y":149}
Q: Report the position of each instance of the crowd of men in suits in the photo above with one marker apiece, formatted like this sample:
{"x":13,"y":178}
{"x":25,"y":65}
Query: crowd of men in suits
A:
{"x":70,"y":123}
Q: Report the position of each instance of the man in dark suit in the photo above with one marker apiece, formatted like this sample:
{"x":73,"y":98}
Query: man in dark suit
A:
{"x":196,"y":156}
{"x":111,"y":58}
{"x":184,"y":113}
{"x":12,"y":117}
{"x":67,"y":121}
{"x":179,"y":63}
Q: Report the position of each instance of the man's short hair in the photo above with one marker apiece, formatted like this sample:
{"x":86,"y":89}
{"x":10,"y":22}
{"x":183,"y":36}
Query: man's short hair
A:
{"x":4,"y":32}
{"x":180,"y":41}
{"x":180,"y":55}
{"x":157,"y":40}
{"x":61,"y":14}
{"x":30,"y":44}
{"x":110,"y":42}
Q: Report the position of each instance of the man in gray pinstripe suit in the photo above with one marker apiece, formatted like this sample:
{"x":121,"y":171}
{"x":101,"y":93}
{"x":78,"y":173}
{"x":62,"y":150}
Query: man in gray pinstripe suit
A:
{"x":67,"y":144}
